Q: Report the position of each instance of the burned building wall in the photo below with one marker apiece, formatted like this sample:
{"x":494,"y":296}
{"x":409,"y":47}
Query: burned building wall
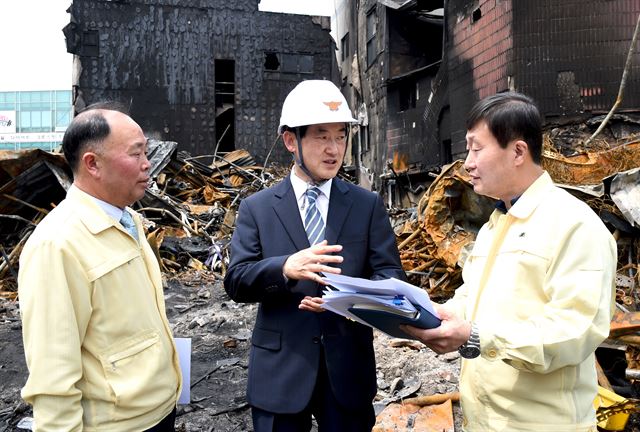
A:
{"x":348,"y":61}
{"x":568,"y":56}
{"x":387,"y":77}
{"x":479,"y":55}
{"x":373,"y":72}
{"x":415,"y":53}
{"x":406,"y":101}
{"x":183,"y":65}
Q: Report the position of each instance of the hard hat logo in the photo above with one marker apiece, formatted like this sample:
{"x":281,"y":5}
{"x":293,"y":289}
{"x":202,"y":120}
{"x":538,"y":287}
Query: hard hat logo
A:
{"x":333,"y":106}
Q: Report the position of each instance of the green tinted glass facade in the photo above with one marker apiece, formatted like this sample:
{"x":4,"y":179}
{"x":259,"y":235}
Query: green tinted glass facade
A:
{"x":34,"y":119}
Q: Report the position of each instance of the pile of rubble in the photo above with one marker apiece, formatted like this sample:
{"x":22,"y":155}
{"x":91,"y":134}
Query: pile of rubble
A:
{"x":190,"y":210}
{"x":435,"y":240}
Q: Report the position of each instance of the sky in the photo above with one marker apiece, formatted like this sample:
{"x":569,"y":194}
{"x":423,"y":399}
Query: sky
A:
{"x":34,"y":54}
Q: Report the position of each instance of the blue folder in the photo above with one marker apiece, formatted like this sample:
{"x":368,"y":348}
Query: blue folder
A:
{"x":389,"y":321}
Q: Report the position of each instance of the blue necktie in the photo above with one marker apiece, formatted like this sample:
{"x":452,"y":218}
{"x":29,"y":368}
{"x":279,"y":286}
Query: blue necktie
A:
{"x":127,"y":222}
{"x":313,"y":223}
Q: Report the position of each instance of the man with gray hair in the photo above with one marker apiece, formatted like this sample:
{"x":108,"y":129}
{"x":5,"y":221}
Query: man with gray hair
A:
{"x":98,"y":345}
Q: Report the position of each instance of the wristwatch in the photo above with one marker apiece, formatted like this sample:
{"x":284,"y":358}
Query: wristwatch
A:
{"x":471,"y":348}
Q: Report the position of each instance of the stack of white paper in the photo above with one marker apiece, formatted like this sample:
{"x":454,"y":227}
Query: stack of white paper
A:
{"x":394,"y":294}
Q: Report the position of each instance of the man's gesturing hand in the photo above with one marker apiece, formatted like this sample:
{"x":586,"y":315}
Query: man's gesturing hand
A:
{"x":307,"y":263}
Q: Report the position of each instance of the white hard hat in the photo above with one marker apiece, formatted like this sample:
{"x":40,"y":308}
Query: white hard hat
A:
{"x":314,"y":102}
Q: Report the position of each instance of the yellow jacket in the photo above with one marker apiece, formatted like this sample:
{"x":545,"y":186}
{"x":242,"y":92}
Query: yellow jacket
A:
{"x":97,"y":341}
{"x":544,"y":308}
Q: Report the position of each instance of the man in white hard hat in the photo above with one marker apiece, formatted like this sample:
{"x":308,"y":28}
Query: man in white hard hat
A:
{"x":305,"y":363}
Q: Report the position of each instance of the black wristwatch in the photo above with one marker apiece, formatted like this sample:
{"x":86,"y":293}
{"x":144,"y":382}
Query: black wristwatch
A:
{"x":471,"y":349}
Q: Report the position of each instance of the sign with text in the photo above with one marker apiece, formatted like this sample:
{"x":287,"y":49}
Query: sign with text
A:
{"x":7,"y":122}
{"x":31,"y":137}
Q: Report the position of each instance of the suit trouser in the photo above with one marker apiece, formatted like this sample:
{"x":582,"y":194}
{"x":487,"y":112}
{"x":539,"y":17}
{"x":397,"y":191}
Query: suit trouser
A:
{"x":330,"y":415}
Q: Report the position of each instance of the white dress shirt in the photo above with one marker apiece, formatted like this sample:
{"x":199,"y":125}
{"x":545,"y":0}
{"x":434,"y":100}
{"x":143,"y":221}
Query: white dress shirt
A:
{"x":322,"y":203}
{"x":110,"y":209}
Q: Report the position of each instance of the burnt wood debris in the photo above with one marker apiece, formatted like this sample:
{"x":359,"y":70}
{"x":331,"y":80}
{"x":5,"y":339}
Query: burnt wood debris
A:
{"x":206,"y":80}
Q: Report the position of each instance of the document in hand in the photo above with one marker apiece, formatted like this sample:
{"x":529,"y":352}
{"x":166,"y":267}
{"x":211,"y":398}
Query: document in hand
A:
{"x":381,"y":304}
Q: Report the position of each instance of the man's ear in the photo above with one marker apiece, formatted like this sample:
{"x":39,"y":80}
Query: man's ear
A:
{"x":90,"y":163}
{"x":521,"y":152}
{"x":289,"y":139}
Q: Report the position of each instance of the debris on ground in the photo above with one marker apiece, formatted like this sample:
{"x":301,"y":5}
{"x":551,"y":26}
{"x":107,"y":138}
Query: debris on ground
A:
{"x":189,"y":215}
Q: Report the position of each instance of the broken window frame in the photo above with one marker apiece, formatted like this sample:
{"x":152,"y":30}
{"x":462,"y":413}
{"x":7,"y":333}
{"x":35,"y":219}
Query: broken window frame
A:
{"x":90,"y":43}
{"x":407,"y":95}
{"x":291,"y":63}
{"x":344,"y":47}
{"x":371,"y":32}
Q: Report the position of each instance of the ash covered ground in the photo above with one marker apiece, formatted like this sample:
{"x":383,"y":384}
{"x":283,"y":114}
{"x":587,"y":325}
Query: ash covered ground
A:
{"x":220,"y":332}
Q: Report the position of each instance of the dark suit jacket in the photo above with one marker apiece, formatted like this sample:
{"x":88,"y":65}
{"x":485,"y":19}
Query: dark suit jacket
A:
{"x":285,"y":351}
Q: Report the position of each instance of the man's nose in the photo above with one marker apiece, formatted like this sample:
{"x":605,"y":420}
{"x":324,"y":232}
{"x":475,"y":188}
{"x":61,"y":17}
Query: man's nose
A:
{"x":333,"y":144}
{"x":468,"y":161}
{"x":146,"y":164}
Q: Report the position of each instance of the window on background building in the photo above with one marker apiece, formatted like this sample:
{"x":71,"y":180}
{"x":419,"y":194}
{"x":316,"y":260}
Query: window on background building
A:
{"x":344,"y":47}
{"x":90,"y":43}
{"x":372,"y":51}
{"x":63,"y":97}
{"x":46,"y":120}
{"x":25,"y":120}
{"x":36,"y":120}
{"x":8,"y":101}
{"x":25,"y":99}
{"x":63,"y":118}
{"x":477,"y":14}
{"x":62,"y":110}
{"x":305,"y":64}
{"x":407,"y":96}
{"x":46,"y":100}
{"x":35,"y":100}
{"x":288,"y":63}
{"x":38,"y":113}
{"x":271,"y":62}
{"x":297,"y":63}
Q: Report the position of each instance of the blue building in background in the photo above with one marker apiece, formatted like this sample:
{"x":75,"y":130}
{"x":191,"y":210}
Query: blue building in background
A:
{"x":34,"y":119}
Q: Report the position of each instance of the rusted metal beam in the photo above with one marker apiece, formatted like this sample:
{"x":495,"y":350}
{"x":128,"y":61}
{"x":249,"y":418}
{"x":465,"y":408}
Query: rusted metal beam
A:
{"x":624,"y":323}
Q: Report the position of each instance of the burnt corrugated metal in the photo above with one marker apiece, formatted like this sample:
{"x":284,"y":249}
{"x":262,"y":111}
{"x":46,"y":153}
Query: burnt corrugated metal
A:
{"x":160,"y":57}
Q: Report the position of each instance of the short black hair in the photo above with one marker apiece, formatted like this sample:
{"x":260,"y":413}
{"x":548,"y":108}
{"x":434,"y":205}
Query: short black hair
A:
{"x":301,"y":129}
{"x":510,"y":116}
{"x":87,"y":128}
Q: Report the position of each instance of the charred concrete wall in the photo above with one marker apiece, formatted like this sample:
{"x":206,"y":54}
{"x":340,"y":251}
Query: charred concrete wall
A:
{"x":569,"y":56}
{"x":183,"y":64}
{"x":388,"y":55}
{"x":406,"y":101}
{"x":345,"y":33}
{"x":580,"y":48}
{"x":372,"y":41}
{"x":415,"y":53}
{"x":480,"y":53}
